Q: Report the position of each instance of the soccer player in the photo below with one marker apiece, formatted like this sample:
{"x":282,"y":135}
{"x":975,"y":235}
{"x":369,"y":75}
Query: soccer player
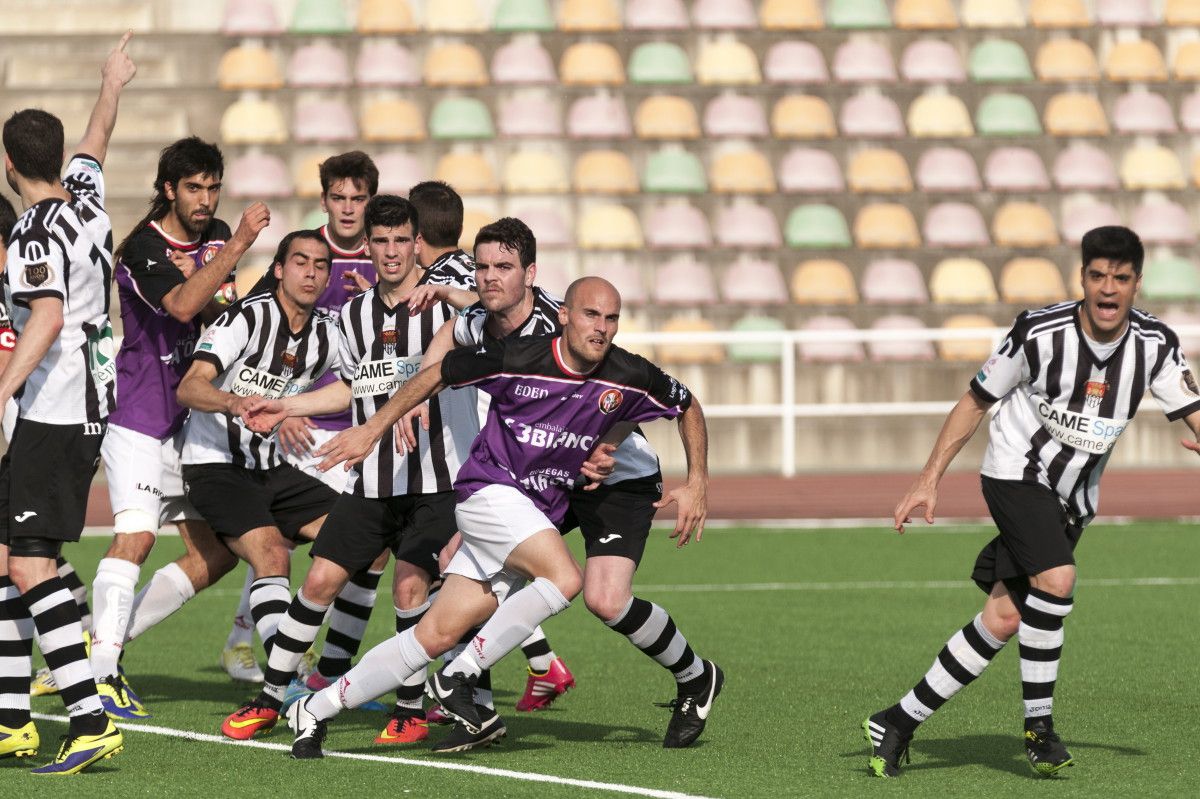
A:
{"x":553,"y":398}
{"x":168,"y":270}
{"x":61,"y":371}
{"x":1068,"y":379}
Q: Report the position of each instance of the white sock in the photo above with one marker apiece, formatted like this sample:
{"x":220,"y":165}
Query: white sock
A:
{"x":112,"y":595}
{"x":511,"y":624}
{"x":166,"y":593}
{"x":381,"y":670}
{"x":242,"y":631}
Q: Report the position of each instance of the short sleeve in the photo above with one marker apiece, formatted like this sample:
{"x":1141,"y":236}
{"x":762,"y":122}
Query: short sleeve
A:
{"x":225,"y":339}
{"x":38,"y":268}
{"x":468,"y":326}
{"x":451,"y":273}
{"x":664,"y":398}
{"x":1005,"y":369}
{"x":473,"y":365}
{"x":85,"y":178}
{"x":150,"y":270}
{"x":1174,"y":386}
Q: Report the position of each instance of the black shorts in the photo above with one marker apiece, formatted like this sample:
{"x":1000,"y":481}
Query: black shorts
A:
{"x":235,"y":501}
{"x":45,"y":477}
{"x":1036,"y":533}
{"x":415,"y":527}
{"x":615,"y":519}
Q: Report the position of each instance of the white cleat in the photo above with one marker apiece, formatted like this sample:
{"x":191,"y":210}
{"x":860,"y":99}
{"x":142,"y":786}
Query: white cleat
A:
{"x":240,"y":664}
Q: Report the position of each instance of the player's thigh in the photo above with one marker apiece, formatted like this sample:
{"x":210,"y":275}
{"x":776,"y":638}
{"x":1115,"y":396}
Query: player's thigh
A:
{"x":135,"y":472}
{"x":427,"y":522}
{"x":356,"y":530}
{"x":496,"y":522}
{"x":616,"y":519}
{"x":265,"y":549}
{"x":231,"y":499}
{"x":300,"y":503}
{"x":48,"y":471}
{"x":545,"y":555}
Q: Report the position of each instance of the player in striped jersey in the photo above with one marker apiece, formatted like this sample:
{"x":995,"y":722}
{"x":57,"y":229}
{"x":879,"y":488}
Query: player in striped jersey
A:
{"x":1068,"y":379}
{"x":56,"y":284}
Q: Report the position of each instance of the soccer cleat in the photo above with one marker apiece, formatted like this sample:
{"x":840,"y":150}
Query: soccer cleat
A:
{"x":1046,"y":752}
{"x":295,"y":691}
{"x":405,"y":726}
{"x":43,"y":683}
{"x":437,"y":715}
{"x":308,"y":666}
{"x":117,"y":699}
{"x":241,"y":665}
{"x":690,"y":711}
{"x":542,"y":689}
{"x":887,"y":744}
{"x":309,"y":730}
{"x":316,"y":681}
{"x":456,"y":693}
{"x":460,"y":739}
{"x":129,"y":692}
{"x":250,"y":720}
{"x":77,"y":752}
{"x":19,"y":741}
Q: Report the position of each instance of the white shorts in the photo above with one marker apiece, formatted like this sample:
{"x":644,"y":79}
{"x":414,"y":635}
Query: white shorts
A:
{"x":493,"y":521}
{"x":144,"y":474}
{"x":335,"y":478}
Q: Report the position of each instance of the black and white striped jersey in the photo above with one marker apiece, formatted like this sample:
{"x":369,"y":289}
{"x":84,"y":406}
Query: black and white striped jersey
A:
{"x":455,"y":269}
{"x":635,"y":457}
{"x":63,"y":248}
{"x":255,"y":352}
{"x":381,"y":349}
{"x":1063,"y":404}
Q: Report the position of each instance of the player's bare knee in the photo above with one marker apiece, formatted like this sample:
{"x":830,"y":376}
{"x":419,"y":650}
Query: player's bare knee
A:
{"x":1059,"y":581}
{"x":1001,"y":623}
{"x":324,"y":582}
{"x":604,"y":602}
{"x":410,"y":588}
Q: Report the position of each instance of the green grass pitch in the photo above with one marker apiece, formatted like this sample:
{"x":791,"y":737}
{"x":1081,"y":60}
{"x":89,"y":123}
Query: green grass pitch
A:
{"x":811,"y":644}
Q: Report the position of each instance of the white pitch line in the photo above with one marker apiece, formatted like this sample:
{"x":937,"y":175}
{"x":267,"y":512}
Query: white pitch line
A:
{"x":883,"y":585}
{"x":614,"y":787}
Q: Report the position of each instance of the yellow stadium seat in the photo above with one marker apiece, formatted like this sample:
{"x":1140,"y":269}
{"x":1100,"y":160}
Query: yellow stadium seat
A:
{"x":535,"y":172}
{"x":610,"y":227}
{"x":385,"y":16}
{"x":1196,"y":170}
{"x":468,"y":172}
{"x":939,"y":116}
{"x":1185,"y":13}
{"x":1024,"y":224}
{"x":1075,"y":114}
{"x":1059,"y":14}
{"x":1139,"y":60}
{"x":455,"y":64}
{"x":307,"y":174}
{"x":690,"y":352}
{"x":992,"y":14}
{"x":392,"y":120}
{"x":791,"y":15}
{"x":454,"y":16}
{"x":972,"y":350}
{"x":742,"y":172}
{"x":924,"y":15}
{"x":665,"y":116}
{"x":1032,"y":281}
{"x":591,"y":64}
{"x":886,"y":226}
{"x":879,"y":171}
{"x":605,"y":172}
{"x":1187,"y":61}
{"x":249,"y":67}
{"x":727,"y":62}
{"x":473,"y":220}
{"x":803,"y":116}
{"x":962,"y":281}
{"x":253,"y":121}
{"x":1066,"y":61}
{"x":588,"y":15}
{"x":1151,"y":167}
{"x":823,"y":281}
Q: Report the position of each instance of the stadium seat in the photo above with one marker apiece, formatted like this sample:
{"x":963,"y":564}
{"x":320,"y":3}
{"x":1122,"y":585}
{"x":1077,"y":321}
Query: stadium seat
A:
{"x":461,"y":118}
{"x":691,"y":352}
{"x":886,"y":226}
{"x":830,"y":351}
{"x":727,"y":62}
{"x":267,"y":242}
{"x":823,"y":282}
{"x":1138,"y":61}
{"x":1189,"y":112}
{"x":795,"y":62}
{"x":513,"y":16}
{"x":737,"y":115}
{"x":248,"y":67}
{"x":683,"y":280}
{"x":454,"y":64}
{"x":385,"y":17}
{"x":473,"y":220}
{"x":1015,"y":169}
{"x":810,"y":170}
{"x":677,"y":225}
{"x":392,"y":120}
{"x":529,"y":115}
{"x":604,"y":172}
{"x":579,"y":16}
{"x":971,"y":350}
{"x":743,"y":171}
{"x":622,"y":273}
{"x":551,"y":229}
{"x":1024,"y":224}
{"x":1196,"y":170}
{"x":307,"y":175}
{"x":746,"y":224}
{"x":802,"y":116}
{"x":666,"y":117}
{"x":399,"y":172}
{"x":895,"y":347}
{"x":1151,"y":166}
{"x":454,"y":16}
{"x":1125,"y":13}
{"x":947,"y":169}
{"x":673,"y":170}
{"x":1059,"y":14}
{"x":382,"y":62}
{"x":1085,"y":166}
{"x":599,"y":116}
{"x":318,"y":65}
{"x":924,"y":15}
{"x":1031,"y":281}
{"x":468,"y":172}
{"x":1176,"y":318}
{"x":323,"y":120}
{"x":1162,"y":221}
{"x":724,"y":14}
{"x":878,"y":171}
{"x":938,"y":116}
{"x":258,"y":175}
{"x":535,"y":172}
{"x":755,"y":352}
{"x":1182,"y":13}
{"x":791,"y":15}
{"x":999,"y":61}
{"x":1140,"y":111}
{"x":1170,"y":277}
{"x":1186,"y":65}
{"x":932,"y":61}
{"x":523,"y":60}
{"x":893,"y":281}
{"x":1079,"y":215}
{"x":817,"y":226}
{"x":251,"y":18}
{"x":1006,"y":114}
{"x":591,"y":64}
{"x":657,"y":15}
{"x":253,"y":121}
{"x":870,"y":115}
{"x":962,"y":281}
{"x":633,"y":324}
{"x":1075,"y":114}
{"x":1066,"y":61}
{"x":992,"y":14}
{"x":857,"y":14}
{"x":660,"y":62}
{"x":955,"y":224}
{"x":319,"y":16}
{"x":862,"y":60}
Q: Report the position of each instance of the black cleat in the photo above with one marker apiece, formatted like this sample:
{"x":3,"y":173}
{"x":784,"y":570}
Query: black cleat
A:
{"x":1046,"y":752}
{"x":460,"y":739}
{"x":456,"y":694}
{"x":310,"y":731}
{"x":888,"y":745}
{"x":690,"y":711}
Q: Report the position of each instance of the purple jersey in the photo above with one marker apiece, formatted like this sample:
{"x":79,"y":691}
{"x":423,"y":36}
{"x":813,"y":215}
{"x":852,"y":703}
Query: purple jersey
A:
{"x":545,"y":418}
{"x":156,"y":348}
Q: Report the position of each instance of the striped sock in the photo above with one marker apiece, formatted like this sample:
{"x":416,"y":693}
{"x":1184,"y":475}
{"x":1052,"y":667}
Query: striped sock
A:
{"x":348,"y":623}
{"x":78,"y":590}
{"x":411,"y":692}
{"x":297,"y":630}
{"x":538,"y":652}
{"x":1041,"y":638}
{"x":651,"y":629}
{"x":16,"y":656}
{"x":269,"y":600}
{"x":60,"y":637}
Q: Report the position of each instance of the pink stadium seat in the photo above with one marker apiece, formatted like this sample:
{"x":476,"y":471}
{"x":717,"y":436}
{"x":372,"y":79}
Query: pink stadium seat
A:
{"x":1125,"y":13}
{"x":621,"y":272}
{"x":656,"y":15}
{"x":251,"y":18}
{"x":893,"y":281}
{"x":932,"y":61}
{"x":533,"y":115}
{"x":809,"y":169}
{"x":863,"y":61}
{"x":952,"y":224}
{"x":945,"y":169}
{"x":260,"y":175}
{"x":895,"y":347}
{"x":1143,"y":112}
{"x":871,"y":115}
{"x":724,"y":14}
{"x":267,"y":242}
{"x":382,"y":62}
{"x":684,"y":281}
{"x":830,"y":351}
{"x":1162,"y":221}
{"x":1176,"y":318}
{"x":1085,"y":166}
{"x":548,"y":224}
{"x":746,"y":224}
{"x":523,"y":60}
{"x":795,"y":62}
{"x":677,"y":225}
{"x":1015,"y":169}
{"x":1189,"y":112}
{"x":316,"y":65}
{"x":735,"y":115}
{"x":599,"y":116}
{"x":753,"y":281}
{"x":1080,"y":216}
{"x":323,"y":120}
{"x":399,"y":172}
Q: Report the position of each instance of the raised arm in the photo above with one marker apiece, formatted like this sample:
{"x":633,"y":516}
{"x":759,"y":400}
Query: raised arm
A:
{"x":692,"y":496}
{"x":117,"y":71}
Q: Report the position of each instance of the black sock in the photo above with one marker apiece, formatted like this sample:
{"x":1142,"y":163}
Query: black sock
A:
{"x":88,"y":724}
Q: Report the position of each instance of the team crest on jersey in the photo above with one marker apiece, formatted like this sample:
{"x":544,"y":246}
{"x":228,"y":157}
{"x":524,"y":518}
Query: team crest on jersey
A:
{"x":36,"y":274}
{"x":1095,"y":391}
{"x":390,"y":339}
{"x":1189,"y":382}
{"x":610,"y":400}
{"x":289,"y":364}
{"x":208,"y":253}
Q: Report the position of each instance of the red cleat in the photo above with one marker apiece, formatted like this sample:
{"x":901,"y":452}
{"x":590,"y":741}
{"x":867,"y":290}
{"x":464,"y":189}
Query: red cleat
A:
{"x":542,"y":689}
{"x":250,"y":720}
{"x":404,"y":727}
{"x":435,"y":715}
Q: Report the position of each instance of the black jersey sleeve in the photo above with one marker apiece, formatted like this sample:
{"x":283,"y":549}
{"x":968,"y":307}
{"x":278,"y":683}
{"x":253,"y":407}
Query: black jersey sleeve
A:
{"x":150,"y":268}
{"x":470,"y":365}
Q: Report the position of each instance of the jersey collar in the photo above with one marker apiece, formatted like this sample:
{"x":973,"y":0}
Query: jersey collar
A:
{"x":338,"y":251}
{"x":556,"y":348}
{"x":1083,"y":339}
{"x":174,"y":242}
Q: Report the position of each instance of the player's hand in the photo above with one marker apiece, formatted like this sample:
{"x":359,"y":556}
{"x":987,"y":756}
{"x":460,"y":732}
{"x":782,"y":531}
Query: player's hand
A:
{"x":294,"y":435}
{"x":422,"y":298}
{"x":254,"y":220}
{"x":448,"y":552}
{"x":262,"y":415}
{"x":351,"y":446}
{"x":183,"y":262}
{"x":355,"y":282}
{"x":119,"y":68}
{"x":406,"y":437}
{"x":1194,"y":446}
{"x":692,"y":512}
{"x":240,"y":406}
{"x":922,"y":494}
{"x":599,"y":466}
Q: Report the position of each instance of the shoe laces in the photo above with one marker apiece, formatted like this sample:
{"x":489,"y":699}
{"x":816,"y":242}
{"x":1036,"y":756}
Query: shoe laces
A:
{"x":680,"y":704}
{"x":250,"y":707}
{"x":118,"y":685}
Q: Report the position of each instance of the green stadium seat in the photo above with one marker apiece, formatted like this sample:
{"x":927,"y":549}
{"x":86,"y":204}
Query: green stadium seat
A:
{"x":1005,"y":114}
{"x":1171,"y":277}
{"x":313,"y":219}
{"x":674,"y":170}
{"x":523,"y":15}
{"x":660,"y":62}
{"x":858,"y":14}
{"x":320,"y":16}
{"x":461,"y":118}
{"x":999,"y":61}
{"x":817,"y":226}
{"x":763,"y":352}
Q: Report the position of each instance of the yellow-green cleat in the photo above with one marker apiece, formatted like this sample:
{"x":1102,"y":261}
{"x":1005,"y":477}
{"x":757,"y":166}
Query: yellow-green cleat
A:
{"x":77,"y":752}
{"x":1046,"y":752}
{"x":43,"y":683}
{"x":19,"y":741}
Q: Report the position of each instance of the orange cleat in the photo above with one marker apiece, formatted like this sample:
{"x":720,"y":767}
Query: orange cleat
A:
{"x":404,"y":727}
{"x":250,"y":720}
